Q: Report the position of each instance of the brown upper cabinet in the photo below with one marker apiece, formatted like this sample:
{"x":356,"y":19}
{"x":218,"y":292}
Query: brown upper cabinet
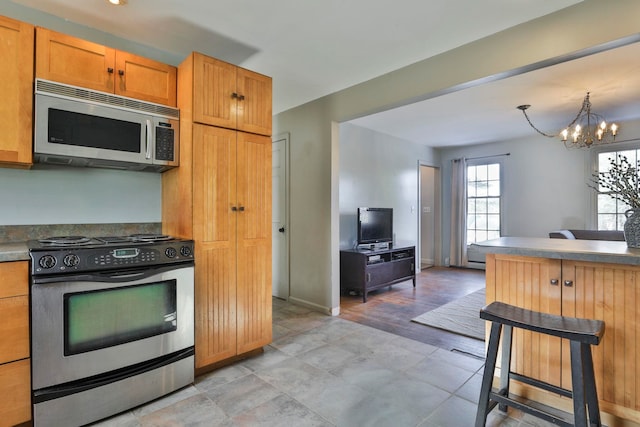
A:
{"x":78,"y":62}
{"x":228,"y":96}
{"x":16,"y":87}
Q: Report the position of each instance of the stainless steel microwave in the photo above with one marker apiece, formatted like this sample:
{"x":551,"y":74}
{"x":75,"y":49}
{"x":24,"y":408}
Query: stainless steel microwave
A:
{"x":81,"y":127}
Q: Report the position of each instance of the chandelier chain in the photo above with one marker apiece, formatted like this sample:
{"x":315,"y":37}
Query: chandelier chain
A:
{"x":535,"y":128}
{"x":586,"y":131}
{"x":586,"y":106}
{"x":583,"y":108}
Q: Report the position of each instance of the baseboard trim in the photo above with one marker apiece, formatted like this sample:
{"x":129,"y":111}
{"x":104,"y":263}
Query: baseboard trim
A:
{"x":331,"y":311}
{"x":476,"y":265}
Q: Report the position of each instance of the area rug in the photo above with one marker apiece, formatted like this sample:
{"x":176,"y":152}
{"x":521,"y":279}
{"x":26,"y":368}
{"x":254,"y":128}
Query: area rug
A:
{"x":460,"y":316}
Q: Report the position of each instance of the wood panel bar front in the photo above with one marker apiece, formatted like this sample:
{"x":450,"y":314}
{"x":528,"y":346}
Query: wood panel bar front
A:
{"x":570,"y":281}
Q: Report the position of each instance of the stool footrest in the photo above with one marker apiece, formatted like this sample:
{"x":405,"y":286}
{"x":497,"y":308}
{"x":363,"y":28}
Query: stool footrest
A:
{"x":541,"y":384}
{"x":537,"y":409}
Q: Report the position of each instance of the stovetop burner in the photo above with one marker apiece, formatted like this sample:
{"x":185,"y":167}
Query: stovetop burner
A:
{"x":65,"y":240}
{"x":150,"y":237}
{"x":72,"y":241}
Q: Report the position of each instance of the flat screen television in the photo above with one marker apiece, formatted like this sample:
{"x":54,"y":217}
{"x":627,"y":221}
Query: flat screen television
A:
{"x":375,"y":225}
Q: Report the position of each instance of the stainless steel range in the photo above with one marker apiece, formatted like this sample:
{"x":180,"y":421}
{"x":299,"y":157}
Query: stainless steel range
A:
{"x":111,"y":324}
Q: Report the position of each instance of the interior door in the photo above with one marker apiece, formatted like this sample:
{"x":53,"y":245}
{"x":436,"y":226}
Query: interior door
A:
{"x":427,"y":216}
{"x":279,"y":227}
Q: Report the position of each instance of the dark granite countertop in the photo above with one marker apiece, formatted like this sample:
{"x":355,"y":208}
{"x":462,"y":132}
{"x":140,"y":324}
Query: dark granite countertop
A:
{"x":577,"y":250}
{"x":14,"y":252}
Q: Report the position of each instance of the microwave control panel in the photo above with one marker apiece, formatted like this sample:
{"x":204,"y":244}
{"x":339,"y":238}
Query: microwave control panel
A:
{"x":165,"y":137}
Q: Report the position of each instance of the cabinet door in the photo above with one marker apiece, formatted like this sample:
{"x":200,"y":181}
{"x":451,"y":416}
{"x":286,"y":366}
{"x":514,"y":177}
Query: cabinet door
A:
{"x":16,"y":86}
{"x":254,"y":185}
{"x":146,"y":79}
{"x":14,"y":309}
{"x":608,"y":292}
{"x":527,"y":282}
{"x":254,"y":109}
{"x":214,"y":191}
{"x":74,"y":61}
{"x":14,"y":329}
{"x":14,"y":277}
{"x":15,"y":388}
{"x":214,"y":92}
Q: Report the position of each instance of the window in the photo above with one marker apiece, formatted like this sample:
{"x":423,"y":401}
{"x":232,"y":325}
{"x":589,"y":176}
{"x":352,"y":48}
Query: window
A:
{"x":610,"y":210}
{"x":483,"y":202}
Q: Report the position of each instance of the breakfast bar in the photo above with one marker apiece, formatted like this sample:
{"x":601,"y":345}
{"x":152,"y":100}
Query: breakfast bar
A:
{"x":578,"y":278}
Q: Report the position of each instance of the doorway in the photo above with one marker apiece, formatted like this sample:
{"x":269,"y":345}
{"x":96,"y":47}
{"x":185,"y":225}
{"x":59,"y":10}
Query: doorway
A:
{"x":429,"y":215}
{"x":279,"y":221}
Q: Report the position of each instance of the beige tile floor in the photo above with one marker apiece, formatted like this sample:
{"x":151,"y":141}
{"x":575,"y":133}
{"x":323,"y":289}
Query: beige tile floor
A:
{"x":327,"y":371}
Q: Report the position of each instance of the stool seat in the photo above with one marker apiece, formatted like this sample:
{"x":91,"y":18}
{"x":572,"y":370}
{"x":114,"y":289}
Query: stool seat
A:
{"x":581,"y":333}
{"x":586,"y":331}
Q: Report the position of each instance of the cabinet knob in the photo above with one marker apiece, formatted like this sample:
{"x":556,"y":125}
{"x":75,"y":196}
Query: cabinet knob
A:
{"x":281,"y":229}
{"x":241,"y":97}
{"x":110,"y":70}
{"x":554,"y":282}
{"x":241,"y":208}
{"x":234,"y":95}
{"x":234,"y":208}
{"x":568,"y":283}
{"x":121,"y":72}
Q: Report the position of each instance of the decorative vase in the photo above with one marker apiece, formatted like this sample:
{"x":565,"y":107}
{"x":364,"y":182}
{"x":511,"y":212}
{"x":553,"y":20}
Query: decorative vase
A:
{"x":632,"y":228}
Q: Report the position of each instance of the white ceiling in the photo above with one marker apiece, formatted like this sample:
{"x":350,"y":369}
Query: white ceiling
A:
{"x":488,"y":113}
{"x":314,"y":48}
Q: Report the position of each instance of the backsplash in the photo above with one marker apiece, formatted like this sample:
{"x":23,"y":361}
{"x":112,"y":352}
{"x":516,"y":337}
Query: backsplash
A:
{"x":20,"y":233}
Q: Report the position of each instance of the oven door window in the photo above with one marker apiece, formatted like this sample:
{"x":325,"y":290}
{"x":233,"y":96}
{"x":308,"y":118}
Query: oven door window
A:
{"x":105,"y":318}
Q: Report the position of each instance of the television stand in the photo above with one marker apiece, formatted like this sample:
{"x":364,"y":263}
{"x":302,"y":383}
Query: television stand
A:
{"x":365,"y":270}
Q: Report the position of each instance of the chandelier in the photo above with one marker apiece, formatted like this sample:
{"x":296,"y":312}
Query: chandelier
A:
{"x":585,"y":130}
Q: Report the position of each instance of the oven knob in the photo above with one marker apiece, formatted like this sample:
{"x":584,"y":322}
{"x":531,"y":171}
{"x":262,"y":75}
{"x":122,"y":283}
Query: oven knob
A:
{"x":47,"y":261}
{"x":71,"y":260}
{"x":170,"y":252}
{"x":185,"y":251}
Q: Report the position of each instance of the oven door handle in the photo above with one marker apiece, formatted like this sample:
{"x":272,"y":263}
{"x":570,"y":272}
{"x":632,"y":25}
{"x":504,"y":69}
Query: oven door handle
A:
{"x":110,"y":277}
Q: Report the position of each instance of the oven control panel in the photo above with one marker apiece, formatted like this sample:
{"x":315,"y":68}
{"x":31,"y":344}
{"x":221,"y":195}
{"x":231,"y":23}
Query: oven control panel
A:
{"x":109,"y":257}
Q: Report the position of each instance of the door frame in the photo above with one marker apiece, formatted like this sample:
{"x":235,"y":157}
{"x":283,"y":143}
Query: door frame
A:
{"x":287,"y":235}
{"x":437,"y":215}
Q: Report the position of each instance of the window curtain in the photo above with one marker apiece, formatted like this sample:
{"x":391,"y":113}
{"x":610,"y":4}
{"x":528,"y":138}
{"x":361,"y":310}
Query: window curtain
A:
{"x":458,"y":244}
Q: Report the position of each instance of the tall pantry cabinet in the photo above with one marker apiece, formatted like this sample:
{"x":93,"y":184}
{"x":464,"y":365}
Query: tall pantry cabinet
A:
{"x":221,"y":197}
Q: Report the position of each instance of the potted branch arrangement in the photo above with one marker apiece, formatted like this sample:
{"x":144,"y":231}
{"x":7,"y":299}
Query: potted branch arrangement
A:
{"x":621,"y":181}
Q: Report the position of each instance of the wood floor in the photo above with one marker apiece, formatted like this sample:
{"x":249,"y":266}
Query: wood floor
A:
{"x":392,"y":309}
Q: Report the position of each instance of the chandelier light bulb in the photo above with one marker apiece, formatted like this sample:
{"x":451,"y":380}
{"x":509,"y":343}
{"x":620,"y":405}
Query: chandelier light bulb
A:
{"x":614,"y":129}
{"x":565,"y":134}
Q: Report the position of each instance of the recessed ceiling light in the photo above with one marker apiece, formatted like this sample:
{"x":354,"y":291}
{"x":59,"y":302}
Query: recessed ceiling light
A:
{"x":118,"y":2}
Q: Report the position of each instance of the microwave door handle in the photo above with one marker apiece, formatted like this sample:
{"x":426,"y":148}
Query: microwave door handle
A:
{"x":147,"y":154}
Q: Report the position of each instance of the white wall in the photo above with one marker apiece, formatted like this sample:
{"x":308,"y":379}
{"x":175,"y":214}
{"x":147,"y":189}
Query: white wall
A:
{"x":545,"y":184}
{"x":56,"y":195}
{"x":315,"y":218}
{"x":378,"y":170}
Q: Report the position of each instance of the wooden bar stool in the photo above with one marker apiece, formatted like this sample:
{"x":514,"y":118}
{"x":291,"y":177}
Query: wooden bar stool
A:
{"x":581,"y":333}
